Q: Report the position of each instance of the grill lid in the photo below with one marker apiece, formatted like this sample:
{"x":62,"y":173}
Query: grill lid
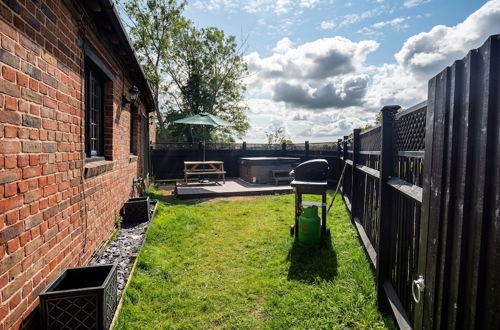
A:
{"x":314,"y":171}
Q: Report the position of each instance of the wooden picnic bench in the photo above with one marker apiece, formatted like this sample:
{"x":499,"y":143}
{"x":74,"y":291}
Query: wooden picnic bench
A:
{"x":281,"y":175}
{"x":197,"y":168}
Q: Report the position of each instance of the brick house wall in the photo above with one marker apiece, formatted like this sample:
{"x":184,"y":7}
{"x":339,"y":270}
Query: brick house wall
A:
{"x":56,"y":208}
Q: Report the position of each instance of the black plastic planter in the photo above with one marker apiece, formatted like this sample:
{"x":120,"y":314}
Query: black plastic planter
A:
{"x":80,"y":298}
{"x":136,"y":210}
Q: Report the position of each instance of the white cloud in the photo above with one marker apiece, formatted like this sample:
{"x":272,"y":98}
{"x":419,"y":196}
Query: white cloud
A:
{"x":302,"y":116}
{"x":336,"y":93}
{"x":415,"y":3}
{"x":334,"y":129}
{"x":309,"y":3}
{"x":283,"y":45}
{"x":368,"y":31}
{"x":307,"y":85}
{"x":216,"y":4}
{"x":356,"y":18}
{"x":426,"y":53}
{"x":328,"y":25}
{"x":321,"y":90}
{"x":393,"y":22}
{"x":256,"y":6}
{"x":314,"y":61}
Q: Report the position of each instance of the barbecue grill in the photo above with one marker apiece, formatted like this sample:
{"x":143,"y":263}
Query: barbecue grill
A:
{"x":310,"y":178}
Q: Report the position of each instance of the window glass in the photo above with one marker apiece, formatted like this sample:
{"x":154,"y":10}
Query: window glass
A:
{"x":94,"y":114}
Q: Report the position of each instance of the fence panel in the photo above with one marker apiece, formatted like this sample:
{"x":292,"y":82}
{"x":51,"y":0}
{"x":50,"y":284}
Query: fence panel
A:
{"x":368,"y":167}
{"x":406,"y":194}
{"x":387,"y":214}
{"x":461,"y":204}
{"x":438,"y":198}
{"x":167,"y":159}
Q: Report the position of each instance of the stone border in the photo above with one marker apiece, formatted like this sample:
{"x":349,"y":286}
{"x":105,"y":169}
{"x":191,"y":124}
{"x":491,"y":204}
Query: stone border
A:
{"x":124,"y":250}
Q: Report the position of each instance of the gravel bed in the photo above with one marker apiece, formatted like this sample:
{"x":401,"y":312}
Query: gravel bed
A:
{"x":123,"y":250}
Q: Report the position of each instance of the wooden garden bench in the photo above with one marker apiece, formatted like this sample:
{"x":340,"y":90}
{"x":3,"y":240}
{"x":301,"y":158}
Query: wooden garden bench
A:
{"x":281,"y":175}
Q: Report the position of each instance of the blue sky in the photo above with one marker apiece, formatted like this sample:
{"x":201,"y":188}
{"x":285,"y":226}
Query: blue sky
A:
{"x":320,"y":68}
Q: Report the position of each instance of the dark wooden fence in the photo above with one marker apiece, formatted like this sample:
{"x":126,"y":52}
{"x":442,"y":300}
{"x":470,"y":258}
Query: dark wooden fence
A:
{"x":167,"y":158}
{"x":423,"y":189}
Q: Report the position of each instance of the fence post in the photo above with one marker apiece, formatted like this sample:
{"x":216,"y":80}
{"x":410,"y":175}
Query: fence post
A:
{"x":306,"y":150}
{"x":339,"y":161}
{"x":385,"y":202}
{"x":355,"y":160}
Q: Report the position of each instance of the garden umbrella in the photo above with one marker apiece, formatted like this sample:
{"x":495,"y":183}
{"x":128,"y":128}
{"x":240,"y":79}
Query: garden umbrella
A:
{"x":204,"y":119}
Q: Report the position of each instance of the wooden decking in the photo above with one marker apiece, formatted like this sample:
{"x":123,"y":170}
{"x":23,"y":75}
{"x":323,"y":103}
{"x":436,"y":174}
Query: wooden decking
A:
{"x":232,"y":187}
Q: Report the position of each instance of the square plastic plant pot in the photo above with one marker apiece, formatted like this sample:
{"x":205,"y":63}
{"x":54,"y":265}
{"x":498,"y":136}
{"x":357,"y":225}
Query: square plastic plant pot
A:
{"x":80,"y":298}
{"x":136,"y":210}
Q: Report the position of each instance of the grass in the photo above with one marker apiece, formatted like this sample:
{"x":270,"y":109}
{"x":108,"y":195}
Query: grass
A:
{"x":233,"y":264}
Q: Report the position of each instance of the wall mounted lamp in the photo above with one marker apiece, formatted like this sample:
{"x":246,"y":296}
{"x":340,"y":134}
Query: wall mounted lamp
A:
{"x":152,"y":119}
{"x":132,"y":100}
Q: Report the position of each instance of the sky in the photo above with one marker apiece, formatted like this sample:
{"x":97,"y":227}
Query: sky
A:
{"x":320,"y":68}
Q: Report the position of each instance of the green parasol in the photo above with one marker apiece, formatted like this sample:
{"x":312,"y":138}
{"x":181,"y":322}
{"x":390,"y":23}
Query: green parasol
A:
{"x":204,"y":119}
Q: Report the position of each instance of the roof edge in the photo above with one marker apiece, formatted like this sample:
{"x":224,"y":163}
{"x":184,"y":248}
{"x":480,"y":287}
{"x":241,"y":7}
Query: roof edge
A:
{"x":117,"y":25}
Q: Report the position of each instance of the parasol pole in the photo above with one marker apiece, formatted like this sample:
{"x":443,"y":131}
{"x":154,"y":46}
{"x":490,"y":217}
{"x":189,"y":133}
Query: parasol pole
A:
{"x":203,"y":142}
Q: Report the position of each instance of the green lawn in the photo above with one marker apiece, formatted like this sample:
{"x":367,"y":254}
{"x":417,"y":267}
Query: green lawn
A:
{"x":233,"y":264}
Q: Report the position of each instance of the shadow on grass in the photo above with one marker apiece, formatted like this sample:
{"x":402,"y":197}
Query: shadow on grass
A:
{"x":166,"y":194}
{"x":310,"y":264}
{"x":172,"y":200}
{"x":161,"y":197}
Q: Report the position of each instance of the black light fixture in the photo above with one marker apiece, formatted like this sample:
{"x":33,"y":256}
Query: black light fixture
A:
{"x":152,"y":119}
{"x":133,"y":93}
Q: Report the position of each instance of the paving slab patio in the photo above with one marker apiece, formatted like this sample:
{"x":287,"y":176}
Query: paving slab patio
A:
{"x":232,"y":187}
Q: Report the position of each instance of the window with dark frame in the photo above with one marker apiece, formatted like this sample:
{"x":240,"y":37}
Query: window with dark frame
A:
{"x":94,"y":114}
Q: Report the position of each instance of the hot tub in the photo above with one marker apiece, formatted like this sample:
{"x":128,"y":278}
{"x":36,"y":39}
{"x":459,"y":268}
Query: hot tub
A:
{"x":258,"y":169}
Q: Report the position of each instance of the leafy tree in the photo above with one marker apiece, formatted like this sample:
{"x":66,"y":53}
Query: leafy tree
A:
{"x":378,"y":121}
{"x":277,"y":136}
{"x":152,"y":23}
{"x":206,"y":68}
{"x":190,"y":70}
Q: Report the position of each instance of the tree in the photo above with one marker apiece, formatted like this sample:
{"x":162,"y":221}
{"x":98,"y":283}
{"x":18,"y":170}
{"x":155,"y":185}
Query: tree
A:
{"x":190,"y":70}
{"x":206,"y":69}
{"x":152,"y":23}
{"x":277,"y":136}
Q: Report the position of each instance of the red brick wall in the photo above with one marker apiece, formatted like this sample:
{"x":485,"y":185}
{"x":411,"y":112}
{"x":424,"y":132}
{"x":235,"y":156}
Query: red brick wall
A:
{"x":51,"y":215}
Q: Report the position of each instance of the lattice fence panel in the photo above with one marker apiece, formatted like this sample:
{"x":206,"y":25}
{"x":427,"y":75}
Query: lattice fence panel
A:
{"x":370,"y":140}
{"x":410,"y":130}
